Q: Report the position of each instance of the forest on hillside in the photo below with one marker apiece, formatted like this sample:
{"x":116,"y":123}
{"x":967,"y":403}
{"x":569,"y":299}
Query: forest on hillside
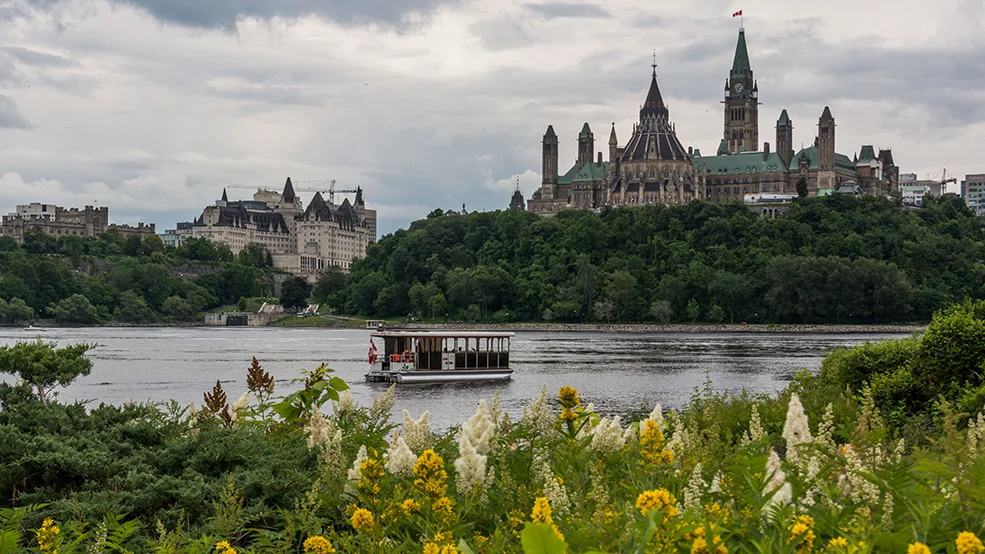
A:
{"x":85,"y":281}
{"x":840,"y":259}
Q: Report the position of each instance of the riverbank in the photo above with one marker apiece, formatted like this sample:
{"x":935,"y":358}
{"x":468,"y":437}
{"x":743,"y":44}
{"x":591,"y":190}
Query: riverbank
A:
{"x":671,"y":328}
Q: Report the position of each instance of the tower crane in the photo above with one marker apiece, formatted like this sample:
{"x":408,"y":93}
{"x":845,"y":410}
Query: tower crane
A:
{"x":330,"y":191}
{"x":945,"y":181}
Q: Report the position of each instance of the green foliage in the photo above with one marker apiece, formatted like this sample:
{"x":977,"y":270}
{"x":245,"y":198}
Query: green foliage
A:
{"x":255,"y":255}
{"x":318,"y":388}
{"x":294,"y":293}
{"x":802,"y":190}
{"x":837,"y":259}
{"x":74,"y":309}
{"x":43,"y":365}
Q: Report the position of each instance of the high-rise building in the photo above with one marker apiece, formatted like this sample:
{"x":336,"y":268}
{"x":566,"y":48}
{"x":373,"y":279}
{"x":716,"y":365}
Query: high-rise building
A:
{"x":973,"y":192}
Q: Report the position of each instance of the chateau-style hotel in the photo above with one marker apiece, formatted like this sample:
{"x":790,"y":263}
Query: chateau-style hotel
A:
{"x":653,"y":167}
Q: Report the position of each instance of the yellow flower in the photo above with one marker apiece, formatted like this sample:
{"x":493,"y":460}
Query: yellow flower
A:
{"x":968,"y":543}
{"x":568,"y":414}
{"x":432,"y":477}
{"x":431,"y":548}
{"x":568,"y":397}
{"x":318,"y":545}
{"x":362,"y":519}
{"x":917,"y":548}
{"x":542,"y":511}
{"x":652,"y":445}
{"x":444,"y":505}
{"x":837,"y":544}
{"x":659,"y":499}
{"x":46,"y":536}
{"x":802,"y":531}
{"x":410,"y":506}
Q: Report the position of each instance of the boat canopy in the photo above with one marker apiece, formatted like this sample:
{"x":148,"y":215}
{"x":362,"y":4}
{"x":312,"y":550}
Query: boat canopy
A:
{"x":444,"y":334}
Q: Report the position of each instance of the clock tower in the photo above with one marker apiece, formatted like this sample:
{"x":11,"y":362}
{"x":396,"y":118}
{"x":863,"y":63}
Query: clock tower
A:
{"x":741,"y":103}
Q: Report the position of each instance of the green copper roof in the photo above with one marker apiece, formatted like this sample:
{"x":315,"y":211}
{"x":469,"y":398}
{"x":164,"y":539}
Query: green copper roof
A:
{"x":740,"y":65}
{"x":722,"y":148}
{"x":867,"y":154}
{"x":746,"y":162}
{"x":585,"y":131}
{"x":588,"y":172}
{"x":784,"y":118}
{"x":842,"y":161}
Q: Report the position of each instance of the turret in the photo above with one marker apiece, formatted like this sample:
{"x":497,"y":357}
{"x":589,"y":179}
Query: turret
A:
{"x":613,"y":144}
{"x":549,"y":172}
{"x":784,"y":138}
{"x":586,"y":145}
{"x":826,"y":141}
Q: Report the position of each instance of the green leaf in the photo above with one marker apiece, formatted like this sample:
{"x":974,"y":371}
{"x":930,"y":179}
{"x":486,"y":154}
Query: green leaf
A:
{"x":338,"y":384}
{"x":539,"y":538}
{"x":464,"y":548}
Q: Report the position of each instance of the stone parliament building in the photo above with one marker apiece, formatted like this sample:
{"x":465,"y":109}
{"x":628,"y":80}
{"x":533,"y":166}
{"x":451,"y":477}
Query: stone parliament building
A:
{"x":654,"y":167}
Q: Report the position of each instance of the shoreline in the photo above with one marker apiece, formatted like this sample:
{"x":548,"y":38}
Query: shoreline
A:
{"x":675,"y":328}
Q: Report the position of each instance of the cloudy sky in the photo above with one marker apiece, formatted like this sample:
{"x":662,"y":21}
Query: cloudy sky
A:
{"x":150,"y":107}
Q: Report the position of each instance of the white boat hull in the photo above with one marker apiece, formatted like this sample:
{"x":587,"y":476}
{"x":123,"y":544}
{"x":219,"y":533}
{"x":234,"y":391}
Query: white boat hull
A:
{"x":440,"y":376}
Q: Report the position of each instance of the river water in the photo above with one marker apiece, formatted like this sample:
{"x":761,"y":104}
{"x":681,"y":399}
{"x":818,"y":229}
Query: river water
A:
{"x":618,"y":371}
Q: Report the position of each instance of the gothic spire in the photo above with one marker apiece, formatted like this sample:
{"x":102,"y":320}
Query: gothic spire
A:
{"x":224,"y":197}
{"x":288,"y":195}
{"x":740,"y":65}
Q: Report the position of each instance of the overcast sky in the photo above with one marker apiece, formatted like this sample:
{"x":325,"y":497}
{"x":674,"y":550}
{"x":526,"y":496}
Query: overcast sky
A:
{"x":150,"y":107}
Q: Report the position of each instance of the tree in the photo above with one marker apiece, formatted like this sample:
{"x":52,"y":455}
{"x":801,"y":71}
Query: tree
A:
{"x":44,"y":366}
{"x":603,"y":310}
{"x":693,"y":310}
{"x":437,"y":305}
{"x":37,"y":241}
{"x":133,"y":308}
{"x":661,"y":311}
{"x":254,"y":255}
{"x":294,"y":294}
{"x":16,"y":310}
{"x":622,"y":289}
{"x":151,"y":243}
{"x":802,"y":190}
{"x":178,"y":308}
{"x":74,"y":309}
{"x":716,"y":314}
{"x":330,"y":282}
{"x":133,"y":246}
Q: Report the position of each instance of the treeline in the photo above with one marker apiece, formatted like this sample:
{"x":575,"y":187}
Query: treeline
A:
{"x":837,"y":259}
{"x":112,"y":278}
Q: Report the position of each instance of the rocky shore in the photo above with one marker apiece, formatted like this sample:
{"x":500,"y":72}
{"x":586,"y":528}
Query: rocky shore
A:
{"x":673,"y":328}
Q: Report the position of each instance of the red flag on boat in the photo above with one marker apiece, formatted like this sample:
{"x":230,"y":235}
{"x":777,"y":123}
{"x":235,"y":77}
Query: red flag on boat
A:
{"x":737,"y":14}
{"x":372,"y":351}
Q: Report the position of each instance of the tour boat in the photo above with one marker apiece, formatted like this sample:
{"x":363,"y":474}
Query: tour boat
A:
{"x":33,"y":327}
{"x":439,"y":357}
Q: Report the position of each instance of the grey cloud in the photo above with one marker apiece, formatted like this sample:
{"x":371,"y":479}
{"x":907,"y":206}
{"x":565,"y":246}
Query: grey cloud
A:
{"x":289,"y":95}
{"x":569,"y":9}
{"x":500,"y":33}
{"x":10,"y":116}
{"x":36,"y":58}
{"x":223,"y":14}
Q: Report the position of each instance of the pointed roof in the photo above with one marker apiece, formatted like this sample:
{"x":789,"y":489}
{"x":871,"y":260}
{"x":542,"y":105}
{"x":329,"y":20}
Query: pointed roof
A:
{"x":722,"y":148}
{"x":868,"y":153}
{"x":784,"y":118}
{"x":740,"y":65}
{"x":654,"y":100}
{"x":224,"y":197}
{"x":586,"y":131}
{"x":612,"y":136}
{"x":550,"y":132}
{"x":826,"y":115}
{"x":288,"y":195}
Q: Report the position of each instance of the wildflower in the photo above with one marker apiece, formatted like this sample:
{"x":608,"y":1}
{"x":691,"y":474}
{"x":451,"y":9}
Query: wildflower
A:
{"x":370,"y":473}
{"x":223,"y":547}
{"x":917,"y":548}
{"x":318,"y":430}
{"x":402,"y":459}
{"x":434,"y":548}
{"x":471,"y":467}
{"x":417,"y":432}
{"x":318,"y":545}
{"x":777,"y":482}
{"x":837,"y":544}
{"x":541,"y":513}
{"x":755,"y":432}
{"x":431,"y":475}
{"x":362,"y":519}
{"x":537,"y":415}
{"x":383,"y":404}
{"x":567,"y":414}
{"x":354,"y":471}
{"x":652,"y":444}
{"x":568,"y":397}
{"x":796,"y":430}
{"x":607,"y":437}
{"x":238,"y":409}
{"x":444,"y":506}
{"x":802,"y":530}
{"x":658,"y":499}
{"x":346,"y":403}
{"x":46,"y":535}
{"x":695,"y":489}
{"x":825,"y":431}
{"x":657,"y":416}
{"x":700,"y":545}
{"x":968,"y":543}
{"x":480,"y":429}
{"x":410,"y":506}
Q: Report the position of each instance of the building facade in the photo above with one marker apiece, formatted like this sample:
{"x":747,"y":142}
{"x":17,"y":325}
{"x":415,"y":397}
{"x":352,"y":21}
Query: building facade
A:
{"x":654,"y":167}
{"x":973,"y":192}
{"x":89,"y":222}
{"x":304,"y":241}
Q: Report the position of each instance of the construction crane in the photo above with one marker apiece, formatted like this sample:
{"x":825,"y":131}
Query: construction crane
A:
{"x":945,"y":181}
{"x":330,"y":191}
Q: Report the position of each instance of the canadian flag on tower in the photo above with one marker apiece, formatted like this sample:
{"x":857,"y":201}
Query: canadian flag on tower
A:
{"x":737,"y":14}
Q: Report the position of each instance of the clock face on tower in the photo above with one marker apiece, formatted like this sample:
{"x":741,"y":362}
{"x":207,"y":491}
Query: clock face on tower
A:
{"x":738,"y":88}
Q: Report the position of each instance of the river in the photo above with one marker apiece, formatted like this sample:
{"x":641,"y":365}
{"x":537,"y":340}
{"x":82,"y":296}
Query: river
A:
{"x":618,"y":371}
